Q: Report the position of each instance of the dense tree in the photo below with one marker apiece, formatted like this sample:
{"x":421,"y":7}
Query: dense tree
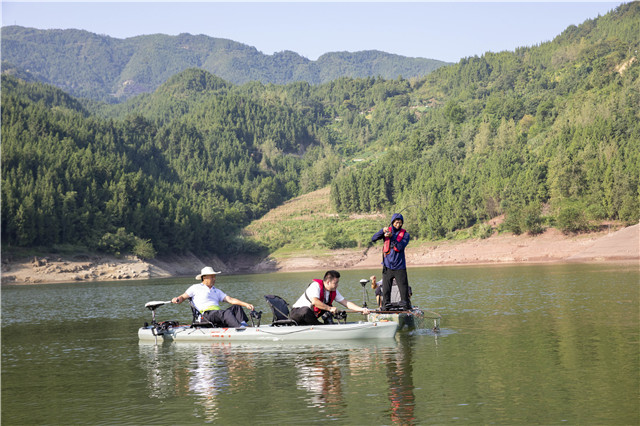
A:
{"x":188,"y":166}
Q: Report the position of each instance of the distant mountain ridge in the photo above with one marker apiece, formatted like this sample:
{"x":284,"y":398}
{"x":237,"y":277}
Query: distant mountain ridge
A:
{"x":106,"y":68}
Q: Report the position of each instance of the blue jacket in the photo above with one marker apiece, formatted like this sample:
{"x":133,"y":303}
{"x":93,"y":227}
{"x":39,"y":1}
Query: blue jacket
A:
{"x":395,"y":259}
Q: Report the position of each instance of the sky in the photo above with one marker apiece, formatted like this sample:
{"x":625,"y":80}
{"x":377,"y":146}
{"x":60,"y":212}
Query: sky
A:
{"x":435,"y":30}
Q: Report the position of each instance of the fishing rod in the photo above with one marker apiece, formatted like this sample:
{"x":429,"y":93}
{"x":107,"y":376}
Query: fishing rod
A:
{"x":371,"y":243}
{"x":431,"y":314}
{"x":413,"y":205}
{"x":421,"y":210}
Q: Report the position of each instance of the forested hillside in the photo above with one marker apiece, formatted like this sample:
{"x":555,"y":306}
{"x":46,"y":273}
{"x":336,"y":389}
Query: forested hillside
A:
{"x":555,"y":126}
{"x":190,"y":182}
{"x":548,"y":135}
{"x":109,"y":69}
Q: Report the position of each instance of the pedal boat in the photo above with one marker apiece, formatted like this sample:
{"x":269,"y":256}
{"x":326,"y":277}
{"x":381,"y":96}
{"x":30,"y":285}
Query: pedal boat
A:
{"x":172,"y":331}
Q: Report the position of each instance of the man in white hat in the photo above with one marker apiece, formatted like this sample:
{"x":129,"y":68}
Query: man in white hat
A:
{"x":207,"y":298}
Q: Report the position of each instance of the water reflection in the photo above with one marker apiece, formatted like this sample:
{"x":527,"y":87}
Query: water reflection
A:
{"x":207,"y":378}
{"x":321,"y":377}
{"x":399,"y":370}
{"x":159,"y":383}
{"x":211,"y":374}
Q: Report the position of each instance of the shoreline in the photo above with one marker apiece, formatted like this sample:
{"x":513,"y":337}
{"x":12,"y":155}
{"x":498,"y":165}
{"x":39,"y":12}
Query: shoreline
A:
{"x":551,"y":247}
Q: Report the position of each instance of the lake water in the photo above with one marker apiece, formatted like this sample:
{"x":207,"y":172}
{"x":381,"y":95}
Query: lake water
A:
{"x":518,"y":344}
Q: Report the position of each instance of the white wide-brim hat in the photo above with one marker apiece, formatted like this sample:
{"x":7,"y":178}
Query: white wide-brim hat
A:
{"x":207,"y":270}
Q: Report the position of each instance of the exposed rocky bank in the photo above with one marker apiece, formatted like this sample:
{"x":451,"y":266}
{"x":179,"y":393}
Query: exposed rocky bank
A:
{"x":620,"y":246}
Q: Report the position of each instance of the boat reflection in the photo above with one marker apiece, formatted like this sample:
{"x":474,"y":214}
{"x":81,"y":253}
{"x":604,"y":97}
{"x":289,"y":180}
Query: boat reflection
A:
{"x":399,"y":370}
{"x":321,"y":377}
{"x":219,"y":374}
{"x":202,"y":372}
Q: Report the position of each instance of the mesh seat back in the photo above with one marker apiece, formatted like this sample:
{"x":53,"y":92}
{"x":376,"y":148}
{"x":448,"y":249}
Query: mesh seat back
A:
{"x":395,"y":293}
{"x":280,"y":309}
{"x":198,"y":320}
{"x":194,"y":311}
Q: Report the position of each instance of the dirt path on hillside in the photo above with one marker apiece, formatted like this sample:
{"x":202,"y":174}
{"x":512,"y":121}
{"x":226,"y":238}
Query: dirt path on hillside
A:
{"x":622,"y":246}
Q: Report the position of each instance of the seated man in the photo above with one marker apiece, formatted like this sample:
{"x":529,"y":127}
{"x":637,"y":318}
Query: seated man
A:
{"x":207,"y":298}
{"x":318,"y":299}
{"x":377,"y":286}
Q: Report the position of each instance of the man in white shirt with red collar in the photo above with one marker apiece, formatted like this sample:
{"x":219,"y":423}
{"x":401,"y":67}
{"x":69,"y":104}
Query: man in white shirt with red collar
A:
{"x":318,"y":299}
{"x":207,"y":299}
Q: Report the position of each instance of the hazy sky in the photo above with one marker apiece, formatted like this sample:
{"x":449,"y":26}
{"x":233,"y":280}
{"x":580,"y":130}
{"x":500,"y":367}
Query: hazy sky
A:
{"x":438,"y":30}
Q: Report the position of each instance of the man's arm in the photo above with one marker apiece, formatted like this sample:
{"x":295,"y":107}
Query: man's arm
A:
{"x":181,"y":298}
{"x":354,"y":307}
{"x":234,"y":301}
{"x":323,"y":306}
{"x":377,"y":235}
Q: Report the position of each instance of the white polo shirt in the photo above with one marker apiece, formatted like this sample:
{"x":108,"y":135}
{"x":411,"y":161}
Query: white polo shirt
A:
{"x":314,"y":291}
{"x":205,"y":298}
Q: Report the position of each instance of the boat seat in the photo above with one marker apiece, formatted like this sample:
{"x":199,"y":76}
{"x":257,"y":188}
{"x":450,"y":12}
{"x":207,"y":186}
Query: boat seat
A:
{"x":395,"y":299}
{"x":395,"y":292}
{"x":197,"y":320}
{"x":280,"y":309}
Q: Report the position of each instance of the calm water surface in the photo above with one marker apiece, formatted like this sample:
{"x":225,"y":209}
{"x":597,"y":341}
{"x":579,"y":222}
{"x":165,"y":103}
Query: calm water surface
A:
{"x":521,"y":344}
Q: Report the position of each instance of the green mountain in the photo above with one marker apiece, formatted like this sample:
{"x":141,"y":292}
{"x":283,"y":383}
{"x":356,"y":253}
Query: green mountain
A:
{"x":109,"y":69}
{"x":546,"y":135}
{"x":551,"y":127}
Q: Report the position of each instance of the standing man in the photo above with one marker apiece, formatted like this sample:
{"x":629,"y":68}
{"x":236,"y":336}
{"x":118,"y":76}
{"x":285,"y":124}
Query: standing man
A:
{"x":394,"y":264}
{"x":318,"y":299}
{"x":207,"y":298}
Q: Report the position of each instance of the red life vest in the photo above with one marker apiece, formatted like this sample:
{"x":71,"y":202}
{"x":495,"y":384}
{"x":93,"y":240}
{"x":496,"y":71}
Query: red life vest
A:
{"x":387,"y":241}
{"x":332,"y":296}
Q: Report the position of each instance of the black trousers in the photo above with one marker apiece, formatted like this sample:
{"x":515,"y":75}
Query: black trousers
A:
{"x":401,"y":281}
{"x":230,"y":317}
{"x":304,"y":316}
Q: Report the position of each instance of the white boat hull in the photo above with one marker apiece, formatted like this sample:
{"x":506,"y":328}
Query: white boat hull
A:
{"x":409,"y":320}
{"x":349,"y":331}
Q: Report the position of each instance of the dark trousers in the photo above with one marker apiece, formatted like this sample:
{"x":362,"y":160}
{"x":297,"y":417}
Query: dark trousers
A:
{"x":304,"y":316}
{"x":401,"y":281}
{"x":230,"y":317}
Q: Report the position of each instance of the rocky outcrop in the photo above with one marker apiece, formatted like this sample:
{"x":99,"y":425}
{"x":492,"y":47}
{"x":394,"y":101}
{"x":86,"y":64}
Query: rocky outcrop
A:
{"x":552,"y":246}
{"x":55,"y":268}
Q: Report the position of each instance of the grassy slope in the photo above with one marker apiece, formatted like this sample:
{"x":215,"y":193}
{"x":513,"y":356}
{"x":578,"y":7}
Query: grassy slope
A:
{"x":299,"y":226}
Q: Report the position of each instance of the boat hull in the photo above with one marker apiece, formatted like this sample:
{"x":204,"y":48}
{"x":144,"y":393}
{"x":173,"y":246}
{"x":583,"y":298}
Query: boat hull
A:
{"x":409,"y":320}
{"x":349,"y":331}
{"x":404,"y":320}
